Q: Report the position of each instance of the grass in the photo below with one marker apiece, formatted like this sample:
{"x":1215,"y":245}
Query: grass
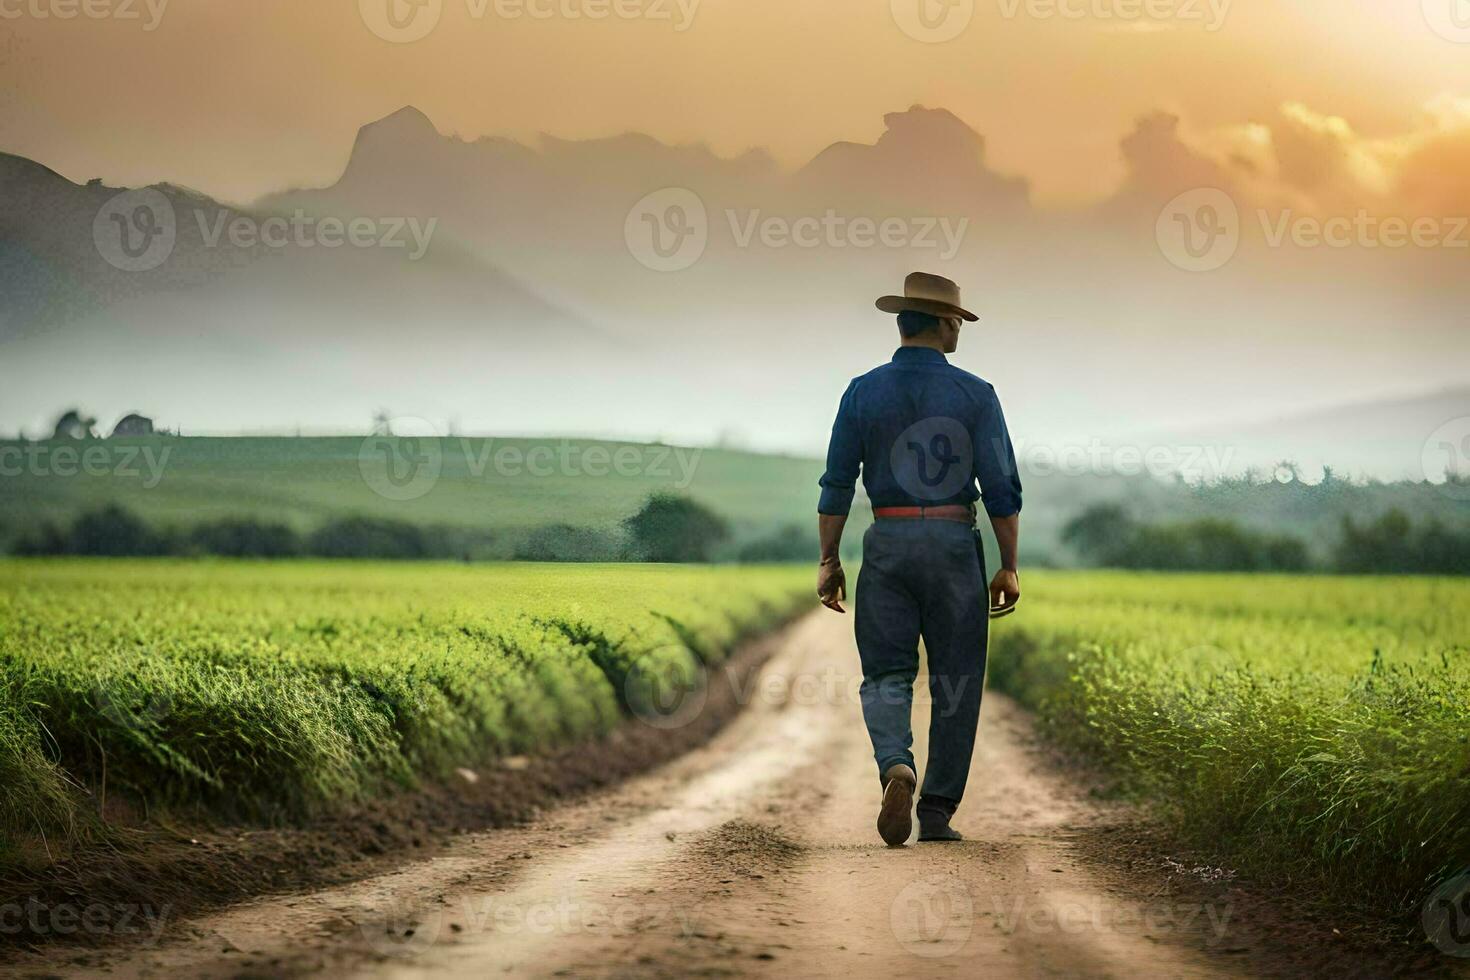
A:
{"x":1313,"y":730}
{"x":307,"y":481}
{"x":273,"y":690}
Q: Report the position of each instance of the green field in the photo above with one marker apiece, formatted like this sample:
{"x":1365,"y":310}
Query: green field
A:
{"x":1311,"y":729}
{"x":260,"y":690}
{"x":490,"y":484}
{"x":499,"y":491}
{"x":1314,"y":730}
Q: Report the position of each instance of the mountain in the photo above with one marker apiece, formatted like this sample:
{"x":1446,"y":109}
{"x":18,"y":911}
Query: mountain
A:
{"x":1387,"y":439}
{"x":698,"y":294}
{"x":54,"y":246}
{"x":82,"y":258}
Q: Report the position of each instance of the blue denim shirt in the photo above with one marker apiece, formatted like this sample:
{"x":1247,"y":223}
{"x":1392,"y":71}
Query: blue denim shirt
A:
{"x":923,"y":432}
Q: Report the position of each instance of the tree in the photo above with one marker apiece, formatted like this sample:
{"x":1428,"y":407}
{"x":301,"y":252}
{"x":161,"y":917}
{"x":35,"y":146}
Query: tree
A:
{"x":671,"y":528}
{"x":73,"y":425}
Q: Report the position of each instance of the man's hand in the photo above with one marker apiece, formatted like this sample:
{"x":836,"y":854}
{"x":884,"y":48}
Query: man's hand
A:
{"x":831,"y":584}
{"x":1005,"y":590}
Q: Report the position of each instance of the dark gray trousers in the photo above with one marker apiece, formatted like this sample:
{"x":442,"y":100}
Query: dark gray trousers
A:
{"x":923,"y":578}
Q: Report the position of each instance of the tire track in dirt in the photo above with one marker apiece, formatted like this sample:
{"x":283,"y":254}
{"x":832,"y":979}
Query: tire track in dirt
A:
{"x":754,"y":855}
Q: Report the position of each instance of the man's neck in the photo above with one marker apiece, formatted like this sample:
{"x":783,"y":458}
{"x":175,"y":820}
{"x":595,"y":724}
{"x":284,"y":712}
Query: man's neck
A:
{"x":924,"y":342}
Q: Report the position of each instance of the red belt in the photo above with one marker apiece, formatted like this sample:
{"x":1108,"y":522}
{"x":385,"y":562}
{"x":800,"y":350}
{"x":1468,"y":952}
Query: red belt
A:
{"x":946,"y":512}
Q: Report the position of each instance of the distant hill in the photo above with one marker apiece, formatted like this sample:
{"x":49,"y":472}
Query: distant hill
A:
{"x":1382,"y":439}
{"x":308,"y":481}
{"x":56,"y":238}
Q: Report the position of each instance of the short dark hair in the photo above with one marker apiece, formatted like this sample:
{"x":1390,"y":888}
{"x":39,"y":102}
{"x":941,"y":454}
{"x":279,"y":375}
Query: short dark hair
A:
{"x":911,"y":323}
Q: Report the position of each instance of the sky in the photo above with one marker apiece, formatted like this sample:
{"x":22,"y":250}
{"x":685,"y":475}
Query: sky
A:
{"x":241,"y":99}
{"x":1060,"y":131}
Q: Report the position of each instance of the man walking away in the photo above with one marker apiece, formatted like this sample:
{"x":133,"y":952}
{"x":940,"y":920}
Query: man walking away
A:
{"x":922,"y":432}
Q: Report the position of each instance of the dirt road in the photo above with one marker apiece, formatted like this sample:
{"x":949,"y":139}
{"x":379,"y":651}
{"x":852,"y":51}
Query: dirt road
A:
{"x":753,"y":856}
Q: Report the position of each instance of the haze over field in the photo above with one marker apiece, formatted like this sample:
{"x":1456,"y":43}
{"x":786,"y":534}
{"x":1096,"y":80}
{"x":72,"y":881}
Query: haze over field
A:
{"x":656,"y":271}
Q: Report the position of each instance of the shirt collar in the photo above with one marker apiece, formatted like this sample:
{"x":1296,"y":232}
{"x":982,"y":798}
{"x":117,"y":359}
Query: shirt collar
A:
{"x":919,"y":355}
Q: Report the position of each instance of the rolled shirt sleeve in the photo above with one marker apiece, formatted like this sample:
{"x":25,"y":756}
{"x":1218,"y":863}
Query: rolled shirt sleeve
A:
{"x":844,"y":458}
{"x":995,"y":461}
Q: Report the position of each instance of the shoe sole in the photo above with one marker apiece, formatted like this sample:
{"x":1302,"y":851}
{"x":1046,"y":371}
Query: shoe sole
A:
{"x":895,"y":817}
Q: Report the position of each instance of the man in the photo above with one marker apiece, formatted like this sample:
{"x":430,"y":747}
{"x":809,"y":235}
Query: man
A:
{"x":922,"y":432}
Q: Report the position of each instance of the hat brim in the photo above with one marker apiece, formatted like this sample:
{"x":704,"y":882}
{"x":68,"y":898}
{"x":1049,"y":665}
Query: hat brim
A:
{"x":934,"y":307}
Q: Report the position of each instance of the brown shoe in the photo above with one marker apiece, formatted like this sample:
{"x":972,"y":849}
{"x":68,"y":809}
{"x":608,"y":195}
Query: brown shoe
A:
{"x":896,"y":816}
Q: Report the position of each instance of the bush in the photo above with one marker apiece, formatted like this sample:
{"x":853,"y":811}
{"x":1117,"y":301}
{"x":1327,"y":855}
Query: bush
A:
{"x":788,"y":543}
{"x":671,"y":528}
{"x":111,"y":531}
{"x":565,"y":542}
{"x":1106,"y":535}
{"x":368,"y":537}
{"x":241,"y":538}
{"x":1392,"y":545}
